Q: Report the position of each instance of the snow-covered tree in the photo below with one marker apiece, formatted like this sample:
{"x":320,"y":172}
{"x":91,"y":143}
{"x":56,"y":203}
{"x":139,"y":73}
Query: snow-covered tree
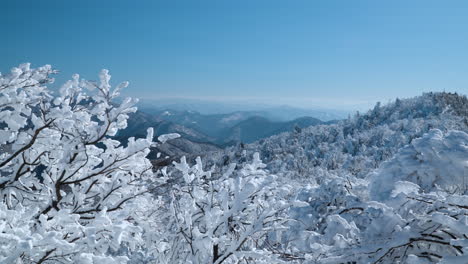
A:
{"x":68,"y":190}
{"x":411,"y":210}
{"x":227,"y":218}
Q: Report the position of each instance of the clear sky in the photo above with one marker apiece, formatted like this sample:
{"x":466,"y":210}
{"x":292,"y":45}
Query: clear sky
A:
{"x":325,"y":53}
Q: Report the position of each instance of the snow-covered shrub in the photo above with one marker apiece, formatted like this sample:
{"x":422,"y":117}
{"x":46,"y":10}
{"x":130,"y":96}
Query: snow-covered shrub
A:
{"x":224,"y":218}
{"x":67,"y":189}
{"x":412,"y":213}
{"x":432,"y":161}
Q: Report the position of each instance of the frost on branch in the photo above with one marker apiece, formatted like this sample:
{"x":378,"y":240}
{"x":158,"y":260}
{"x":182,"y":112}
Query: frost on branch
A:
{"x":432,"y":161}
{"x":413,"y":209}
{"x":224,"y":217}
{"x":66,"y":186}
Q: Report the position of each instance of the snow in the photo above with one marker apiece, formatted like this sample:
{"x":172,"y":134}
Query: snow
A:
{"x":164,"y":138}
{"x":387,"y":186}
{"x":433,"y":161}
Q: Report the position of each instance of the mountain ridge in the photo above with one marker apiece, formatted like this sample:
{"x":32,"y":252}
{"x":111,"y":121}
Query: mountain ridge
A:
{"x":219,"y":129}
{"x":360,"y":143}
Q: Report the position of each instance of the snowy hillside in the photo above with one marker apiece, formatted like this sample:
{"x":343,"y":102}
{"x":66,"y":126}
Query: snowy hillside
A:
{"x":412,"y":209}
{"x":388,"y":186}
{"x":361,"y":143}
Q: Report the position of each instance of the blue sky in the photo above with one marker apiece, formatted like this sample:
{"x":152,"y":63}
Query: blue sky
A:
{"x":338,"y":54}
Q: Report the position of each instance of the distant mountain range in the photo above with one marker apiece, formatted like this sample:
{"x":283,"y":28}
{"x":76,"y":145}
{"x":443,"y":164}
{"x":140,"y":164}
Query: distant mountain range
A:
{"x":201,"y":134}
{"x":257,"y":127}
{"x":271,"y":112}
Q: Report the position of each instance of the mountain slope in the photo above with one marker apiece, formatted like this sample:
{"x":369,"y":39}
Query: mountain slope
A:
{"x":257,"y":127}
{"x":359,"y":144}
{"x":222,"y":129}
{"x":387,"y":186}
{"x":140,"y":121}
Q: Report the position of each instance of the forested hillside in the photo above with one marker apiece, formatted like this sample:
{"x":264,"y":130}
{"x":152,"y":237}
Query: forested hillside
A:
{"x":362,"y":142}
